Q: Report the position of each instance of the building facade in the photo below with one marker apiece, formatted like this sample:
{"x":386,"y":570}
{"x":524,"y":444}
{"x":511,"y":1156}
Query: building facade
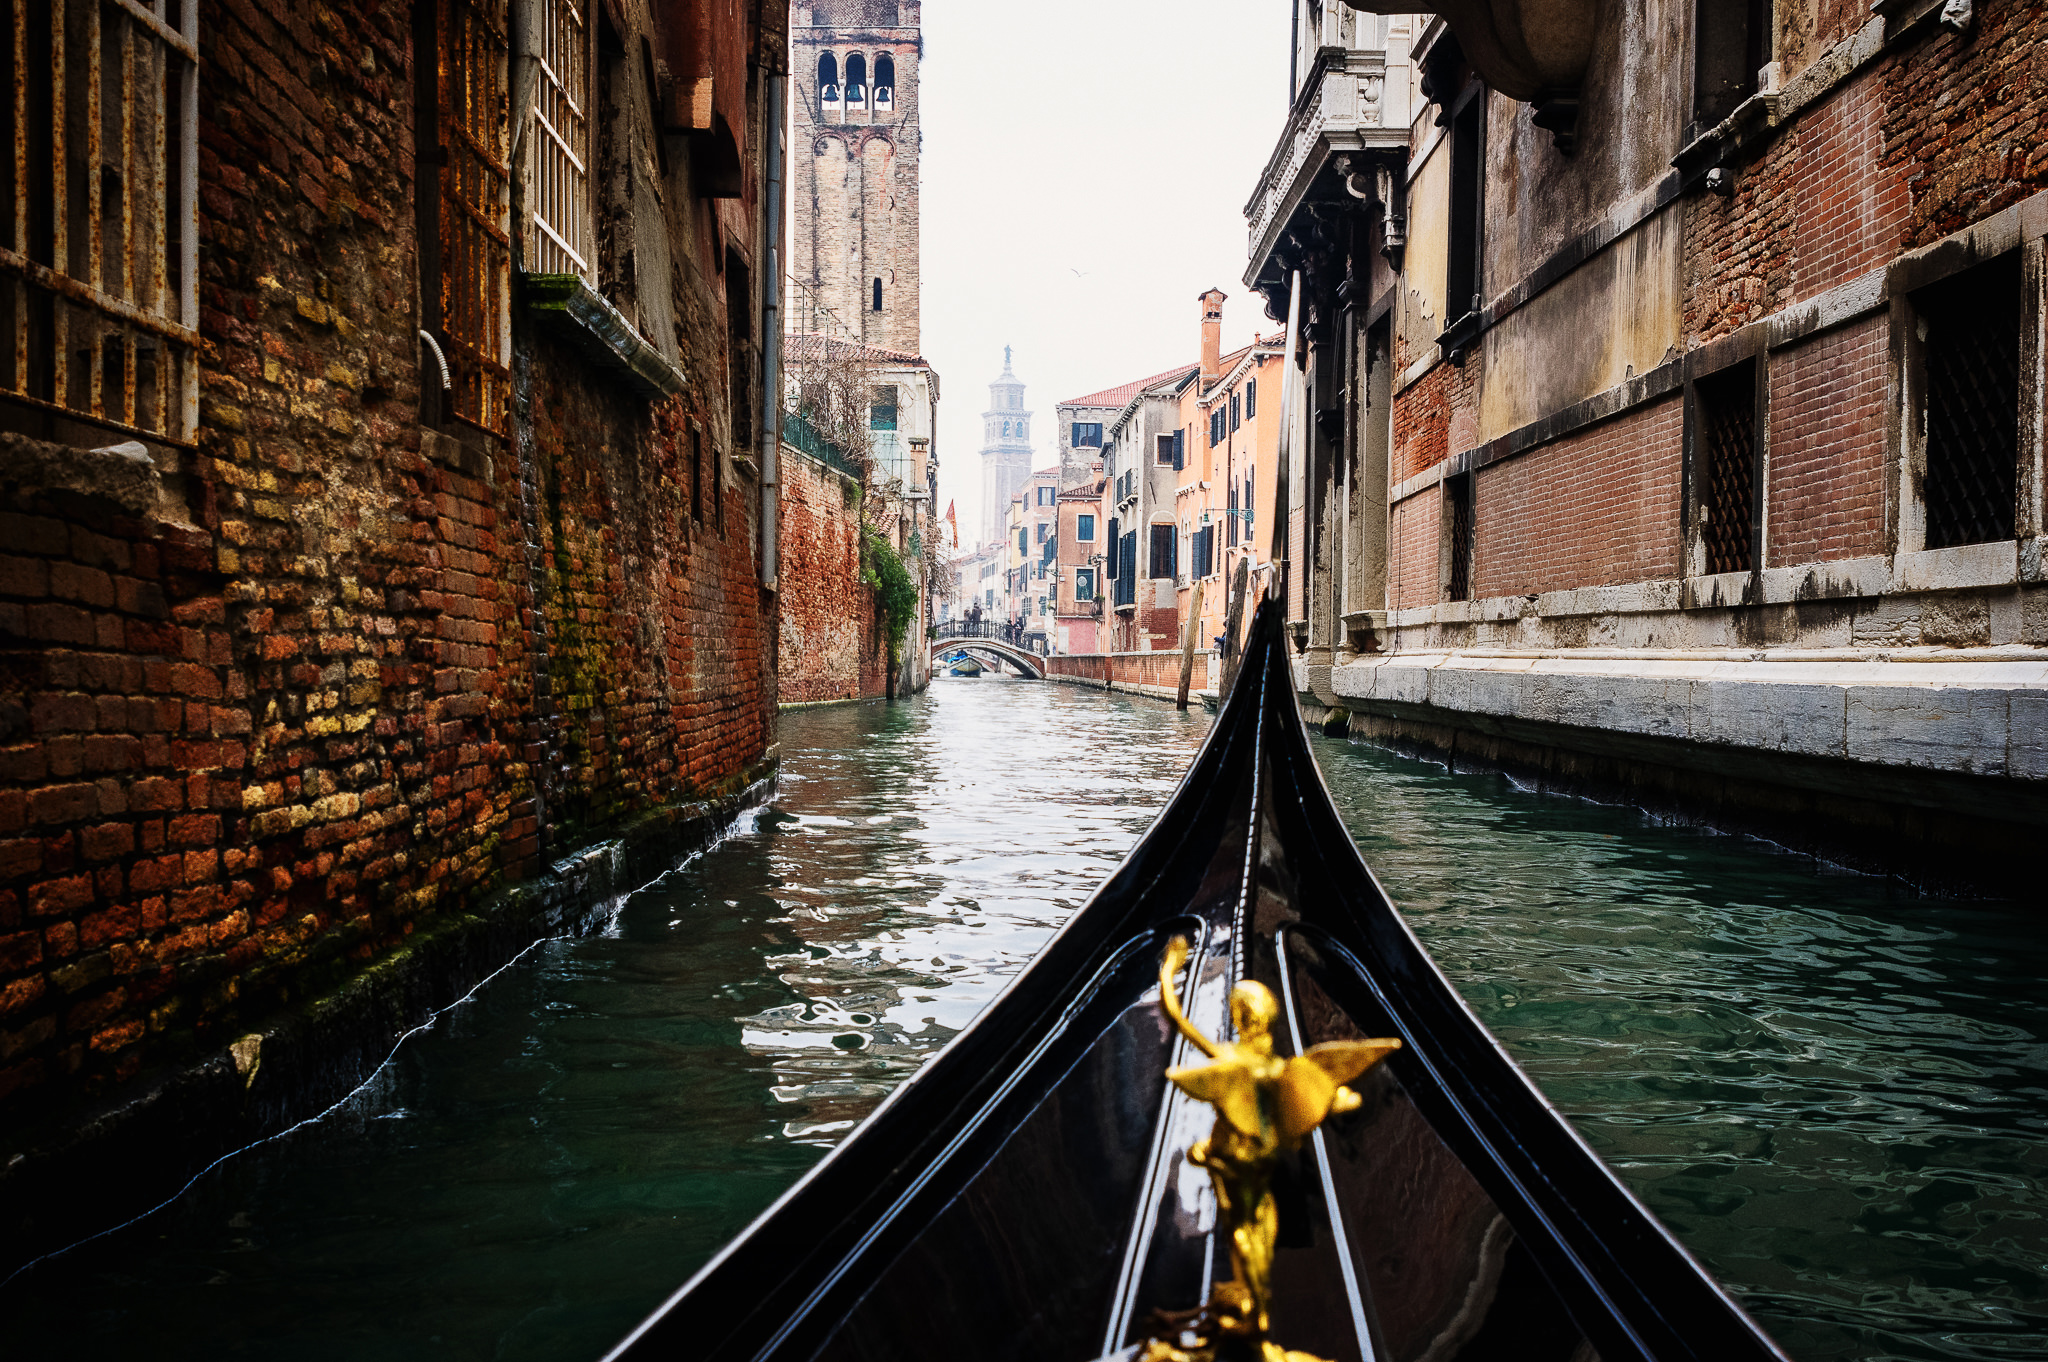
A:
{"x":1223,"y":495}
{"x":1078,"y":571}
{"x":1030,"y":538}
{"x":1141,"y":462}
{"x":855,"y":144}
{"x":1699,"y":364}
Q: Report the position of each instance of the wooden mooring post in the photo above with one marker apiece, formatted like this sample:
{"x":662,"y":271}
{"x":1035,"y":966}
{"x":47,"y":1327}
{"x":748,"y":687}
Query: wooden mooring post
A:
{"x":1233,"y":625}
{"x":1187,"y":644}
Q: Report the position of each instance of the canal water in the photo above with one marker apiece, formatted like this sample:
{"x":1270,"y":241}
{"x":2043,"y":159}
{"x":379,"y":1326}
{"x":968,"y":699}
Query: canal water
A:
{"x":1833,"y":1091}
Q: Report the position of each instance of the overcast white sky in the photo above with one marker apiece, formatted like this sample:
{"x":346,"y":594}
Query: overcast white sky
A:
{"x":1086,"y":167}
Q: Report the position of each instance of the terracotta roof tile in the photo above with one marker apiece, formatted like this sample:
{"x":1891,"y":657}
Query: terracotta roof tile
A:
{"x":1118,"y":396}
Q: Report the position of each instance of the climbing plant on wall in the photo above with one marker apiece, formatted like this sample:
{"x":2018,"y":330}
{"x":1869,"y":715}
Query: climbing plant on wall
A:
{"x":895,"y":589}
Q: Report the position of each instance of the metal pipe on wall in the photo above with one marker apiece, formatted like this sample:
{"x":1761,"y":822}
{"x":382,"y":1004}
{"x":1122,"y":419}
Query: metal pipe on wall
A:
{"x":771,"y":338}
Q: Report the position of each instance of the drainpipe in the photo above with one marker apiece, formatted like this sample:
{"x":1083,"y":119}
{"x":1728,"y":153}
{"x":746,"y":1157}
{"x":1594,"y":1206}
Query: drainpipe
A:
{"x":771,"y":343}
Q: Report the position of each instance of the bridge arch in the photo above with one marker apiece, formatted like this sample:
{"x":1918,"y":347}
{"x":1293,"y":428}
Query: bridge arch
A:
{"x":1031,"y":664}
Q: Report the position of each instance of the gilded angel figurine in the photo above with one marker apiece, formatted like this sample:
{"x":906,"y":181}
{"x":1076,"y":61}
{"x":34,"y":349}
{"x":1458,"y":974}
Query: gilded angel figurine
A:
{"x":1265,"y":1105}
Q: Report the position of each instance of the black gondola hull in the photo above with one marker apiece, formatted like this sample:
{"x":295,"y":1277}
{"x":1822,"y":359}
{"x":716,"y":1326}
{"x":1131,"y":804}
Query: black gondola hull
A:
{"x":1024,"y":1195}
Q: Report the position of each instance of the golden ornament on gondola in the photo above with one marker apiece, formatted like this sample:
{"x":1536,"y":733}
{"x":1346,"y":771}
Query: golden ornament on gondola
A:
{"x":1265,"y":1106}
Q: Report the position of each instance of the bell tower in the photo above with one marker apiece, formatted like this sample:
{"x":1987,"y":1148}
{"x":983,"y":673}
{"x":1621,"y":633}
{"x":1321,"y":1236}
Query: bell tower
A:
{"x":853,"y":156}
{"x":1005,"y":451}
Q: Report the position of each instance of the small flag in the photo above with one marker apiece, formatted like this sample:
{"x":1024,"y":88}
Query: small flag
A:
{"x":953,"y":521}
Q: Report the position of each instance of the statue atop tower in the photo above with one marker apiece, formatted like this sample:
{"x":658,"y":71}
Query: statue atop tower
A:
{"x":853,"y":157}
{"x":1005,"y":451}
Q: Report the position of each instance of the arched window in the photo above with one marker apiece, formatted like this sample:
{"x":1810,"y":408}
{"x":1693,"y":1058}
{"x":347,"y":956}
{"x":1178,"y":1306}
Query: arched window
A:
{"x":828,"y":79}
{"x":878,"y":295}
{"x":856,"y":79}
{"x":885,"y":81}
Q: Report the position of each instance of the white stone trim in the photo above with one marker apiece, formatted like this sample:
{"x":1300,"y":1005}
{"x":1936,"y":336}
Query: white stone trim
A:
{"x":1954,"y":569}
{"x":1830,"y":580}
{"x":1981,"y":711}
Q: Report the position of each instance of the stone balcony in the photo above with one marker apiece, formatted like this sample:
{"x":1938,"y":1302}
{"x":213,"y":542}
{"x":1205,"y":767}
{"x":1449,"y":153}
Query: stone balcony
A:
{"x":1343,"y":110}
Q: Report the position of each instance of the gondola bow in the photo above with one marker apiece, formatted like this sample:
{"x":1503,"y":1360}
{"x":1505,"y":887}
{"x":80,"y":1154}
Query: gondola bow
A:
{"x":1026,"y":1195}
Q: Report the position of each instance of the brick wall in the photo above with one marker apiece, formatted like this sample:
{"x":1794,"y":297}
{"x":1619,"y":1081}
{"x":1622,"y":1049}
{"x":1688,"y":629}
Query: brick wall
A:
{"x":1963,"y":119}
{"x":1130,"y":669}
{"x":1849,"y":205}
{"x":327,"y":676}
{"x":832,"y":646}
{"x":1413,"y":576}
{"x":1592,"y":509}
{"x":1825,"y":474}
{"x":1422,"y":422}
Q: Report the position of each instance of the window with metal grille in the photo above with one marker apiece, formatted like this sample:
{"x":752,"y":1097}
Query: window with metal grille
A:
{"x":1458,"y":512}
{"x":1724,"y":453}
{"x":475,"y":181}
{"x":1165,"y":539}
{"x":1971,"y":360}
{"x":1463,"y":271}
{"x":559,"y":233}
{"x":99,"y":312}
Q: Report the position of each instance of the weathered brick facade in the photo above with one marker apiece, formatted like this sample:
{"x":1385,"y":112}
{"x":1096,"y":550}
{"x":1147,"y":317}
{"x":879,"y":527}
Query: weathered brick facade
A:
{"x":275,"y":701}
{"x":1692,"y":368}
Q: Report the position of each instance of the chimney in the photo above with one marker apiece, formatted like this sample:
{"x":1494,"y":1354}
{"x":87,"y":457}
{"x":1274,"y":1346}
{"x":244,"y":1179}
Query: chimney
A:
{"x":1212,"y":334}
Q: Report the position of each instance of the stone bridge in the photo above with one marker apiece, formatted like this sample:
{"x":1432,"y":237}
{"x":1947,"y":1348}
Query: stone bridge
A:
{"x":990,"y":649}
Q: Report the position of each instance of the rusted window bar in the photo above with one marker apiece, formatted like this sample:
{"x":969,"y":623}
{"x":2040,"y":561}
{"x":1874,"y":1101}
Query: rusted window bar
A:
{"x":560,"y":178}
{"x":99,"y":267}
{"x":475,"y":186}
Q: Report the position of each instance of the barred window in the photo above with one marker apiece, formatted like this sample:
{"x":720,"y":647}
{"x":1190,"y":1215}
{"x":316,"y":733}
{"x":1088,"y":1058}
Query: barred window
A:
{"x":1970,"y":358}
{"x":1457,"y":559}
{"x":99,"y":309}
{"x":559,"y":233}
{"x":475,"y":185}
{"x":1724,"y":460}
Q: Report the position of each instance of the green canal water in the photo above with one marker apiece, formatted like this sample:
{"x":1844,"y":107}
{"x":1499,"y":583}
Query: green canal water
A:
{"x":1835,"y":1092}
